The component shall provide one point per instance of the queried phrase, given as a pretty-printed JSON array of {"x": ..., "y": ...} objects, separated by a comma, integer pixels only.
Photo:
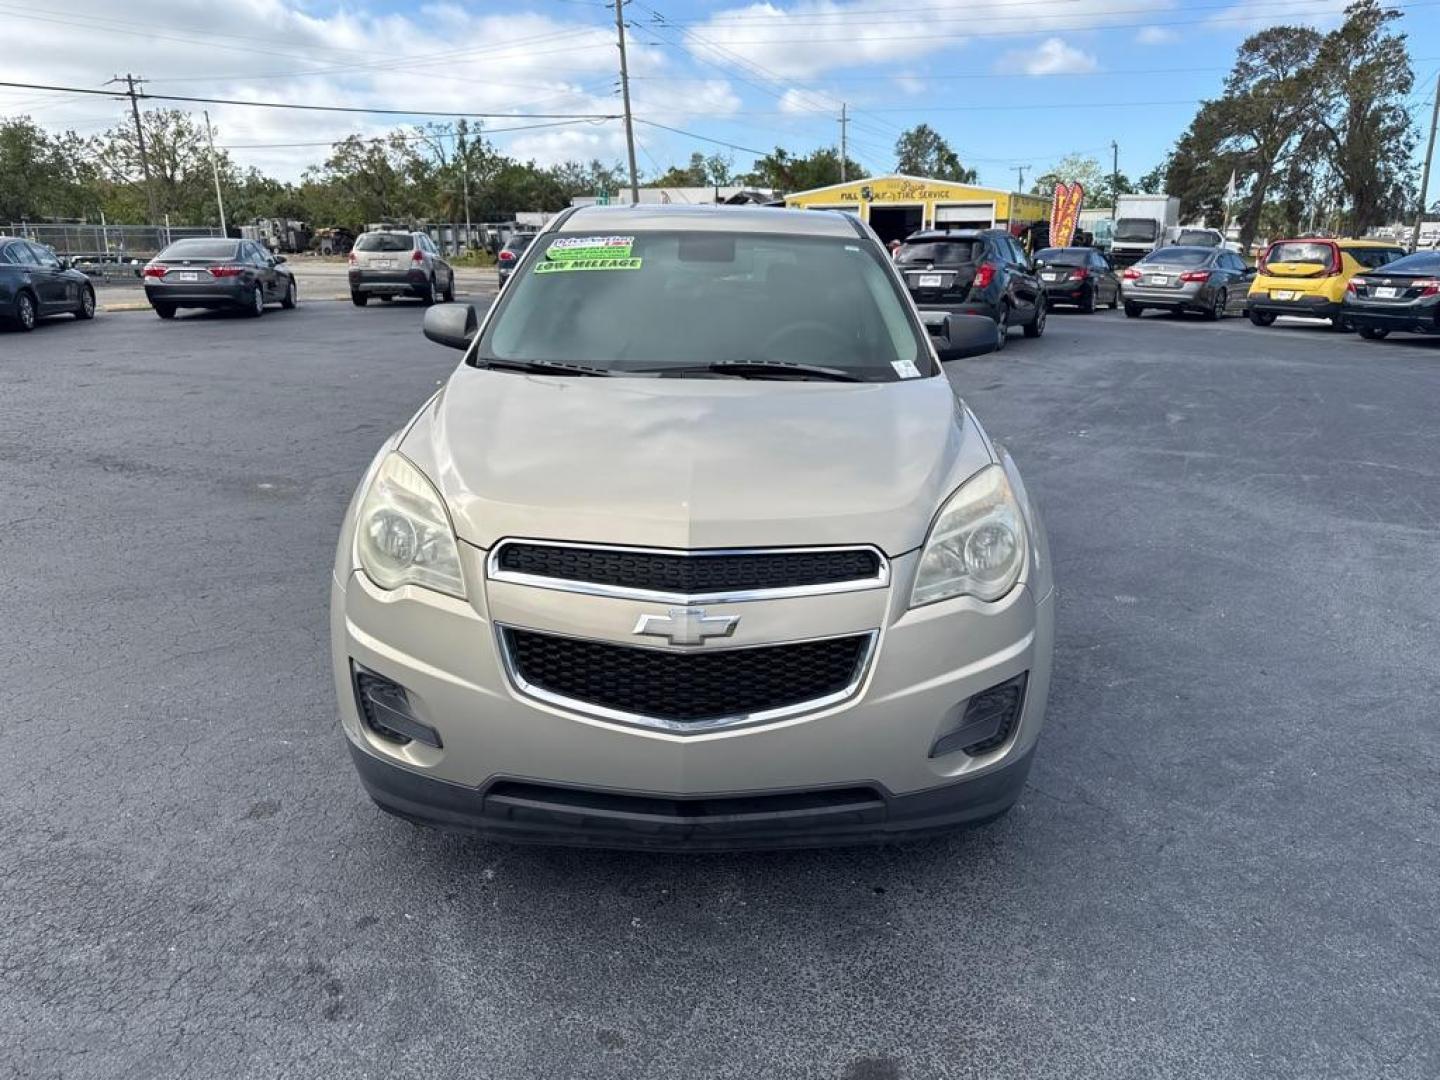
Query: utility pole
[
  {"x": 215, "y": 170},
  {"x": 129, "y": 81},
  {"x": 844, "y": 122},
  {"x": 1425, "y": 175},
  {"x": 1114, "y": 180},
  {"x": 625, "y": 93},
  {"x": 1020, "y": 179}
]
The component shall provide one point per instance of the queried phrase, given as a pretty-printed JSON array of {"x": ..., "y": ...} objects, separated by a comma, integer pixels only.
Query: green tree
[
  {"x": 1363, "y": 74},
  {"x": 785, "y": 173},
  {"x": 921, "y": 151},
  {"x": 44, "y": 175},
  {"x": 1098, "y": 184},
  {"x": 179, "y": 157}
]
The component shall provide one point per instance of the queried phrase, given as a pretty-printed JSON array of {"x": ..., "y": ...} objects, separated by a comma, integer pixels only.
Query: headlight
[
  {"x": 403, "y": 534},
  {"x": 976, "y": 546}
]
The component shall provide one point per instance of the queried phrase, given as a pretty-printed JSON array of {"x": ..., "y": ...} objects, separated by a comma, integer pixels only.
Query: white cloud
[
  {"x": 443, "y": 57},
  {"x": 1156, "y": 35},
  {"x": 910, "y": 84},
  {"x": 1051, "y": 57}
]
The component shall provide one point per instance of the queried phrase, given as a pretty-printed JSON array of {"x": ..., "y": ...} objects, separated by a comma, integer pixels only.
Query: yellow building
[{"x": 896, "y": 205}]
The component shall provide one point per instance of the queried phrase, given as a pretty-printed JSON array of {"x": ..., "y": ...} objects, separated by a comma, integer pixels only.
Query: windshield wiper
[
  {"x": 758, "y": 369},
  {"x": 541, "y": 367}
]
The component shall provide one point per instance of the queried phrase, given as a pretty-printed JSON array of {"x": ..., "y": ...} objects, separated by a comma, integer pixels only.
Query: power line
[
  {"x": 319, "y": 108},
  {"x": 702, "y": 138},
  {"x": 392, "y": 136}
]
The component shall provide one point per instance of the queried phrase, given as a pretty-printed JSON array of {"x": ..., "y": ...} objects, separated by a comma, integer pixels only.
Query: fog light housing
[
  {"x": 990, "y": 718},
  {"x": 385, "y": 709}
]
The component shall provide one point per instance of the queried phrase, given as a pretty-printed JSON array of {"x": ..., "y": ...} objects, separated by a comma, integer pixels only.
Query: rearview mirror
[
  {"x": 453, "y": 325},
  {"x": 959, "y": 336}
]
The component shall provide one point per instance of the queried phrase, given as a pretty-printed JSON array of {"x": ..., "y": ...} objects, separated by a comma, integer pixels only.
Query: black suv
[{"x": 973, "y": 272}]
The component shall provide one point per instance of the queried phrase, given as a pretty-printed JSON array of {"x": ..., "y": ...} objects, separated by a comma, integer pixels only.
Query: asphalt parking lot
[{"x": 1226, "y": 865}]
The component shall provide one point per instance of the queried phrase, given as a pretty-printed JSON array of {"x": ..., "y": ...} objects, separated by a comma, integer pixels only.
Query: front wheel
[
  {"x": 291, "y": 297},
  {"x": 86, "y": 310},
  {"x": 1372, "y": 333},
  {"x": 1132, "y": 311},
  {"x": 1036, "y": 326},
  {"x": 1262, "y": 318}
]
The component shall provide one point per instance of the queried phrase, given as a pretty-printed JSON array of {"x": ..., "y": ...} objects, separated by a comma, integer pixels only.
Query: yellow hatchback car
[{"x": 1308, "y": 277}]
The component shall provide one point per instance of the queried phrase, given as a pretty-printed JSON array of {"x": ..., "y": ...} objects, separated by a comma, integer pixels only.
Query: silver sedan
[{"x": 1207, "y": 280}]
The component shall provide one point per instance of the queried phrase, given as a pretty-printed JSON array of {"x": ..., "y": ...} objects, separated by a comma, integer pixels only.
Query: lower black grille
[
  {"x": 697, "y": 574},
  {"x": 686, "y": 687}
]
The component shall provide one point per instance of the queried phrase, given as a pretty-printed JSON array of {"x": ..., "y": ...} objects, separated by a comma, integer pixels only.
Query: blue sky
[{"x": 1008, "y": 82}]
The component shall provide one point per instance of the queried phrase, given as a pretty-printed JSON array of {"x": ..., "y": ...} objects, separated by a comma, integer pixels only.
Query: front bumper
[
  {"x": 927, "y": 664},
  {"x": 1313, "y": 306}
]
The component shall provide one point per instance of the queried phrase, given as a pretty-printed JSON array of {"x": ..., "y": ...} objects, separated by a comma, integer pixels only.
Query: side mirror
[
  {"x": 452, "y": 325},
  {"x": 960, "y": 336}
]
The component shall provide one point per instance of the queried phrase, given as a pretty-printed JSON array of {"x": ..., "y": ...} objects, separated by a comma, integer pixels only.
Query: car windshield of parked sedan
[
  {"x": 1179, "y": 256},
  {"x": 701, "y": 302},
  {"x": 200, "y": 249},
  {"x": 940, "y": 253},
  {"x": 1063, "y": 257},
  {"x": 1422, "y": 262},
  {"x": 384, "y": 242},
  {"x": 1136, "y": 230}
]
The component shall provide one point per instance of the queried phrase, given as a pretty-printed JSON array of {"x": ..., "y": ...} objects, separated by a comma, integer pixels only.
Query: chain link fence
[{"x": 104, "y": 243}]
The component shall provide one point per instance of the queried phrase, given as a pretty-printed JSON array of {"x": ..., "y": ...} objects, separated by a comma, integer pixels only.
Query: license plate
[
  {"x": 186, "y": 275},
  {"x": 1049, "y": 277},
  {"x": 931, "y": 281},
  {"x": 1284, "y": 294},
  {"x": 1386, "y": 292},
  {"x": 1159, "y": 279},
  {"x": 385, "y": 264}
]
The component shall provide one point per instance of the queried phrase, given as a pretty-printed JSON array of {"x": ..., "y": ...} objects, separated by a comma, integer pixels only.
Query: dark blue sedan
[{"x": 34, "y": 283}]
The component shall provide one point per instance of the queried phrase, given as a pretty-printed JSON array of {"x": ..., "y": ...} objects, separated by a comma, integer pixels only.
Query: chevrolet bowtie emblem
[{"x": 687, "y": 625}]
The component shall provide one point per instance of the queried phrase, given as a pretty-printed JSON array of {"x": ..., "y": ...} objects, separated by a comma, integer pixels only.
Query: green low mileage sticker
[{"x": 587, "y": 264}]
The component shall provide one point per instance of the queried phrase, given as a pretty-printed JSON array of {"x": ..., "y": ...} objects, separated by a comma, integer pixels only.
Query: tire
[
  {"x": 449, "y": 295},
  {"x": 1115, "y": 299},
  {"x": 1087, "y": 302},
  {"x": 1036, "y": 326},
  {"x": 292, "y": 296},
  {"x": 428, "y": 296},
  {"x": 255, "y": 306},
  {"x": 86, "y": 310},
  {"x": 1132, "y": 311},
  {"x": 165, "y": 311},
  {"x": 26, "y": 313},
  {"x": 1261, "y": 318},
  {"x": 1216, "y": 311},
  {"x": 1371, "y": 333},
  {"x": 1002, "y": 329},
  {"x": 1339, "y": 325},
  {"x": 359, "y": 299}
]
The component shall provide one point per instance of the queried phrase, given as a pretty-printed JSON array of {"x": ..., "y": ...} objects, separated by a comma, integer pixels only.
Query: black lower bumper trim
[{"x": 526, "y": 812}]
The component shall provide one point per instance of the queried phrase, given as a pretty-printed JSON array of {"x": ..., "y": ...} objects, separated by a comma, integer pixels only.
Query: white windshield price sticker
[
  {"x": 590, "y": 247},
  {"x": 906, "y": 369}
]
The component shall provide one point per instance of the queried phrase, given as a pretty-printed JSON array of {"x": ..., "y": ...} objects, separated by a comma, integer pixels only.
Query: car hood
[{"x": 694, "y": 463}]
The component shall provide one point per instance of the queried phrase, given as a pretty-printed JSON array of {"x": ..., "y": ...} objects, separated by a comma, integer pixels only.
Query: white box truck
[{"x": 1141, "y": 225}]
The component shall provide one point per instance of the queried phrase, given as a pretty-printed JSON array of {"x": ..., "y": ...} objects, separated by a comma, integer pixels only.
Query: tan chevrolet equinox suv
[{"x": 697, "y": 548}]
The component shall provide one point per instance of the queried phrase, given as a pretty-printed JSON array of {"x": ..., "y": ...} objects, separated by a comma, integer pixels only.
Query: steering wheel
[{"x": 806, "y": 328}]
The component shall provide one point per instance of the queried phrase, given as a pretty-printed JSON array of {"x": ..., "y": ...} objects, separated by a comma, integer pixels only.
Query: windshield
[
  {"x": 200, "y": 249},
  {"x": 1301, "y": 251},
  {"x": 1198, "y": 238},
  {"x": 379, "y": 241},
  {"x": 1063, "y": 257},
  {"x": 658, "y": 300},
  {"x": 1179, "y": 256},
  {"x": 1135, "y": 229},
  {"x": 940, "y": 253},
  {"x": 1422, "y": 262}
]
